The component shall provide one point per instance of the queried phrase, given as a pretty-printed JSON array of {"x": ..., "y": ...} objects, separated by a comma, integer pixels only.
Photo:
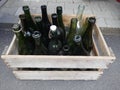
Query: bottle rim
[
  {"x": 36, "y": 34},
  {"x": 77, "y": 38}
]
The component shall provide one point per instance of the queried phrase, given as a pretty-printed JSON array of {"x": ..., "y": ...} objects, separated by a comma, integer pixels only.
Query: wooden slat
[
  {"x": 19, "y": 61},
  {"x": 101, "y": 41},
  {"x": 12, "y": 46},
  {"x": 58, "y": 75}
]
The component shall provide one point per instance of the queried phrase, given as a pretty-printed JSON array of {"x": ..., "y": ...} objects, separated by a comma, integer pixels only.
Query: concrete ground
[{"x": 108, "y": 16}]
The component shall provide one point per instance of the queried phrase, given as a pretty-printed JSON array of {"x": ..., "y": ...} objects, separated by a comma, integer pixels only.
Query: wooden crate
[{"x": 45, "y": 67}]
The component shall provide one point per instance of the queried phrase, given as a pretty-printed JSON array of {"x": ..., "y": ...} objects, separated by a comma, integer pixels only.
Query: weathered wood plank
[{"x": 57, "y": 75}]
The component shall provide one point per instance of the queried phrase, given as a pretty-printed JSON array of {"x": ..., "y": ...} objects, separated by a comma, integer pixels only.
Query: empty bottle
[
  {"x": 45, "y": 25},
  {"x": 72, "y": 31},
  {"x": 55, "y": 44},
  {"x": 29, "y": 20},
  {"x": 87, "y": 37},
  {"x": 22, "y": 50},
  {"x": 40, "y": 49},
  {"x": 59, "y": 11},
  {"x": 60, "y": 31},
  {"x": 78, "y": 47}
]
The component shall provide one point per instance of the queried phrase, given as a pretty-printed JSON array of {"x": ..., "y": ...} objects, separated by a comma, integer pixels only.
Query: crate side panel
[{"x": 58, "y": 75}]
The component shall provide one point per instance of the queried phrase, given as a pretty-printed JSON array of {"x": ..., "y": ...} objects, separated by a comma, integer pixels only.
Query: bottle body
[
  {"x": 59, "y": 11},
  {"x": 40, "y": 49},
  {"x": 45, "y": 25},
  {"x": 87, "y": 37},
  {"x": 78, "y": 47},
  {"x": 72, "y": 31},
  {"x": 22, "y": 47},
  {"x": 29, "y": 20},
  {"x": 55, "y": 44}
]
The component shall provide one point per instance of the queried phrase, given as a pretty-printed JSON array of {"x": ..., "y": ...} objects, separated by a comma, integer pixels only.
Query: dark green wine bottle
[
  {"x": 59, "y": 11},
  {"x": 40, "y": 49},
  {"x": 60, "y": 31},
  {"x": 29, "y": 19},
  {"x": 78, "y": 46},
  {"x": 38, "y": 22},
  {"x": 87, "y": 37},
  {"x": 22, "y": 50},
  {"x": 72, "y": 31},
  {"x": 55, "y": 44},
  {"x": 28, "y": 35}
]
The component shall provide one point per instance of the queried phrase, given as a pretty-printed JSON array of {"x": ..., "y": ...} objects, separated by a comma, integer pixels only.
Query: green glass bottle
[
  {"x": 78, "y": 47},
  {"x": 45, "y": 25},
  {"x": 22, "y": 50},
  {"x": 60, "y": 31},
  {"x": 38, "y": 22},
  {"x": 28, "y": 35},
  {"x": 87, "y": 37},
  {"x": 59, "y": 11},
  {"x": 72, "y": 31},
  {"x": 55, "y": 44},
  {"x": 29, "y": 19},
  {"x": 40, "y": 49}
]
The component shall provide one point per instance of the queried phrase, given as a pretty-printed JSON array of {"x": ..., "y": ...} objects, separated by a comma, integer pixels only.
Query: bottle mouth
[
  {"x": 36, "y": 34},
  {"x": 16, "y": 28},
  {"x": 59, "y": 9},
  {"x": 54, "y": 15},
  {"x": 38, "y": 18},
  {"x": 92, "y": 20},
  {"x": 25, "y": 8},
  {"x": 43, "y": 6},
  {"x": 66, "y": 47},
  {"x": 77, "y": 38}
]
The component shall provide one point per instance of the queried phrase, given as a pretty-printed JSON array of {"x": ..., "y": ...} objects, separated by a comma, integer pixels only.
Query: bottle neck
[
  {"x": 44, "y": 15},
  {"x": 55, "y": 20}
]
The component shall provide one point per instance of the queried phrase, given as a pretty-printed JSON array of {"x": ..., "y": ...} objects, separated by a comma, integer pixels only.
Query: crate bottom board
[{"x": 57, "y": 75}]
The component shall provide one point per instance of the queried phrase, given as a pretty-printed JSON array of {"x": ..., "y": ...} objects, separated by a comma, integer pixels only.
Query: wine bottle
[
  {"x": 55, "y": 44},
  {"x": 78, "y": 46},
  {"x": 72, "y": 31},
  {"x": 28, "y": 35},
  {"x": 45, "y": 25},
  {"x": 38, "y": 22},
  {"x": 59, "y": 11},
  {"x": 22, "y": 50},
  {"x": 60, "y": 31},
  {"x": 40, "y": 49},
  {"x": 29, "y": 20},
  {"x": 87, "y": 37}
]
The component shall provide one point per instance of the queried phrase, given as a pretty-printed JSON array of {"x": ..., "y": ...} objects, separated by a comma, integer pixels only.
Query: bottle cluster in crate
[{"x": 38, "y": 36}]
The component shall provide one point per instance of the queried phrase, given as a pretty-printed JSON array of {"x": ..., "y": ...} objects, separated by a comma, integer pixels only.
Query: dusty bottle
[
  {"x": 87, "y": 37},
  {"x": 22, "y": 50},
  {"x": 60, "y": 31},
  {"x": 78, "y": 46},
  {"x": 59, "y": 11},
  {"x": 72, "y": 31},
  {"x": 40, "y": 49},
  {"x": 55, "y": 44},
  {"x": 29, "y": 21},
  {"x": 45, "y": 25}
]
